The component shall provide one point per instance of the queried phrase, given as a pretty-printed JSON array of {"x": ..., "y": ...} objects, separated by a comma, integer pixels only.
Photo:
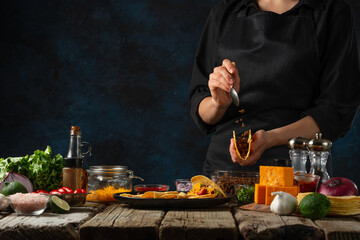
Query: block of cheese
[
  {"x": 294, "y": 190},
  {"x": 260, "y": 191},
  {"x": 276, "y": 176}
]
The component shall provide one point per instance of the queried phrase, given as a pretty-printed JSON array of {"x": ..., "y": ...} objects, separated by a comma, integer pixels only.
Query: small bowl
[
  {"x": 306, "y": 181},
  {"x": 29, "y": 203},
  {"x": 183, "y": 185},
  {"x": 73, "y": 199},
  {"x": 151, "y": 187},
  {"x": 244, "y": 193}
]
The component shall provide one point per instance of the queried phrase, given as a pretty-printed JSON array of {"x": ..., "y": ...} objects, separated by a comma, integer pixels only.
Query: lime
[
  {"x": 315, "y": 206},
  {"x": 13, "y": 187},
  {"x": 58, "y": 205}
]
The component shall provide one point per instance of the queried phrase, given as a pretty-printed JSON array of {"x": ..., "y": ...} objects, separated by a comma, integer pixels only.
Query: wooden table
[{"x": 118, "y": 221}]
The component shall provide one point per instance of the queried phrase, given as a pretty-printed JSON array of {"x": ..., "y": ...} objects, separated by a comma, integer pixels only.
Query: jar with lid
[{"x": 104, "y": 181}]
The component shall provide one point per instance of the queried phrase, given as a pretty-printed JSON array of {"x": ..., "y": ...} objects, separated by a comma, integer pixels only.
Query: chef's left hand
[{"x": 260, "y": 142}]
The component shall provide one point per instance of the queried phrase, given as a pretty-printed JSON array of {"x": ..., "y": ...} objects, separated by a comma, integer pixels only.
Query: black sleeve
[
  {"x": 203, "y": 66},
  {"x": 335, "y": 108}
]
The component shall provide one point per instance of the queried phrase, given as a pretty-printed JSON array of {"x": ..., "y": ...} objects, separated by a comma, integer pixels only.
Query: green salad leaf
[
  {"x": 245, "y": 195},
  {"x": 43, "y": 170}
]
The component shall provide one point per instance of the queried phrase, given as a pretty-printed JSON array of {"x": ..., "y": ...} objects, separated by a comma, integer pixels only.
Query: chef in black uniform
[{"x": 296, "y": 73}]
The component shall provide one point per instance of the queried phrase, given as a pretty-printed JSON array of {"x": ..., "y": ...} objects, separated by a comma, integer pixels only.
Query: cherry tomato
[
  {"x": 80, "y": 190},
  {"x": 62, "y": 191},
  {"x": 41, "y": 191},
  {"x": 68, "y": 190},
  {"x": 77, "y": 191},
  {"x": 56, "y": 192}
]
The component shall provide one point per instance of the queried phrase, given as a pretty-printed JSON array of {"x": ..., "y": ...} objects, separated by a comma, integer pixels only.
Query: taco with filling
[
  {"x": 243, "y": 144},
  {"x": 203, "y": 187}
]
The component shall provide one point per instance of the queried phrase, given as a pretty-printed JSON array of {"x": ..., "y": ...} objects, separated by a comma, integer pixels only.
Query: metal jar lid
[
  {"x": 109, "y": 169},
  {"x": 298, "y": 143},
  {"x": 319, "y": 144}
]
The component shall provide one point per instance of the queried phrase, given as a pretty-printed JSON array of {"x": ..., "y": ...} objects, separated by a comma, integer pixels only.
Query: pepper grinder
[
  {"x": 319, "y": 152},
  {"x": 298, "y": 153}
]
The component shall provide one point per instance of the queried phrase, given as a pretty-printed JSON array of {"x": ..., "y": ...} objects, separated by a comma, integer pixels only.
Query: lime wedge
[{"x": 58, "y": 205}]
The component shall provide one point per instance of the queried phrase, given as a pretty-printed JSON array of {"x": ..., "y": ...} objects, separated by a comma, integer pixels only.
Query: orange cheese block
[
  {"x": 276, "y": 176},
  {"x": 260, "y": 191},
  {"x": 294, "y": 190}
]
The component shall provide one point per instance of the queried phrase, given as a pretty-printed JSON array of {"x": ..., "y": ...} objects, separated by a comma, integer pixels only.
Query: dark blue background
[{"x": 121, "y": 71}]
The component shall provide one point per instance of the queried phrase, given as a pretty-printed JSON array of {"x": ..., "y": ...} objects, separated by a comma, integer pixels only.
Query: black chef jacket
[{"x": 302, "y": 62}]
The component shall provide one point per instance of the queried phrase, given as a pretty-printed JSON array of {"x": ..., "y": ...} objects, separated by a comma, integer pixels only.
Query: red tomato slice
[
  {"x": 201, "y": 191},
  {"x": 68, "y": 190},
  {"x": 56, "y": 192}
]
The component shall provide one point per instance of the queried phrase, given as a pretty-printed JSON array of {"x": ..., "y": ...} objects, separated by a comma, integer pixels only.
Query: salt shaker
[
  {"x": 318, "y": 153},
  {"x": 298, "y": 153}
]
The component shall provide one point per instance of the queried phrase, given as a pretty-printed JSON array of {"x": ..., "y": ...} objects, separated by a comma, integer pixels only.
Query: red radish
[
  {"x": 62, "y": 191},
  {"x": 338, "y": 186}
]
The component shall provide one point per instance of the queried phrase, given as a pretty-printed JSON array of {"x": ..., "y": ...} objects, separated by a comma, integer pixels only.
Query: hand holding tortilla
[{"x": 243, "y": 144}]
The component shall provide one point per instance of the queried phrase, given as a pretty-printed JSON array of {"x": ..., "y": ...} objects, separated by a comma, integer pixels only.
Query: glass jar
[{"x": 104, "y": 181}]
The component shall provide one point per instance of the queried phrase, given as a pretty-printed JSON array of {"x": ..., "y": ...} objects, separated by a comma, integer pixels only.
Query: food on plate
[
  {"x": 339, "y": 186},
  {"x": 314, "y": 206},
  {"x": 59, "y": 205},
  {"x": 202, "y": 187},
  {"x": 274, "y": 179},
  {"x": 43, "y": 170},
  {"x": 243, "y": 144},
  {"x": 283, "y": 203},
  {"x": 104, "y": 195},
  {"x": 12, "y": 188},
  {"x": 340, "y": 206},
  {"x": 29, "y": 203}
]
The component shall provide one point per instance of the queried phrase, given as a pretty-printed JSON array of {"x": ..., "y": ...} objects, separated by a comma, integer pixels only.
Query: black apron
[{"x": 282, "y": 49}]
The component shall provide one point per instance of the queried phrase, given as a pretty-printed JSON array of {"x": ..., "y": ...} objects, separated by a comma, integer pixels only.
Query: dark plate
[{"x": 171, "y": 203}]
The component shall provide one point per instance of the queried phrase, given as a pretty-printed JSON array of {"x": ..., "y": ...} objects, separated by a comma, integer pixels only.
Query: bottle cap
[
  {"x": 298, "y": 143},
  {"x": 73, "y": 162},
  {"x": 319, "y": 144},
  {"x": 75, "y": 130}
]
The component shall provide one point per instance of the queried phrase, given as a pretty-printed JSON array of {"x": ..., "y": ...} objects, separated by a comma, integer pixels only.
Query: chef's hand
[
  {"x": 221, "y": 81},
  {"x": 260, "y": 142}
]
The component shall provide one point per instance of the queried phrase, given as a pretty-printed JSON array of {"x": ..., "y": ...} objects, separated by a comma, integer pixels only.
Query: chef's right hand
[{"x": 221, "y": 81}]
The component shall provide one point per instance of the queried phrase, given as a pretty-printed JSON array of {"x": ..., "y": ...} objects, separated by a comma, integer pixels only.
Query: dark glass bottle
[{"x": 74, "y": 176}]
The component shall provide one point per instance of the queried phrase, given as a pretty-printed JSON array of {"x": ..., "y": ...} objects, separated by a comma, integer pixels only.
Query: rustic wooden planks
[
  {"x": 120, "y": 222},
  {"x": 261, "y": 225},
  {"x": 46, "y": 226},
  {"x": 340, "y": 228},
  {"x": 199, "y": 224}
]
